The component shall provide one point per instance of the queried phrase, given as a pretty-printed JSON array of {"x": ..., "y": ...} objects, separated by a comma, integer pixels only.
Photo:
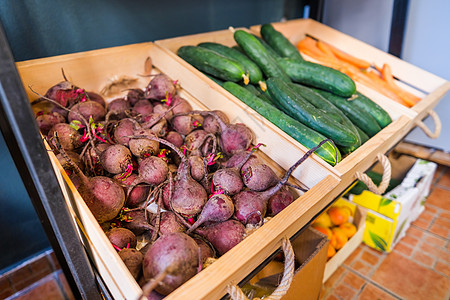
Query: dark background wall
[{"x": 43, "y": 28}]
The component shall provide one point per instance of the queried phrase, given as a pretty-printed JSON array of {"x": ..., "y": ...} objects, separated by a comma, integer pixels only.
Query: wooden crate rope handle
[
  {"x": 237, "y": 294},
  {"x": 437, "y": 125},
  {"x": 379, "y": 190}
]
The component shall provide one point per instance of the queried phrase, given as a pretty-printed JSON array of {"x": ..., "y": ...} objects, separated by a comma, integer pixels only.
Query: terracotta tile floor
[{"x": 417, "y": 268}]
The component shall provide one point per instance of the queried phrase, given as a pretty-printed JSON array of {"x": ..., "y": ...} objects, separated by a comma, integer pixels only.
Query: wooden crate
[
  {"x": 358, "y": 161},
  {"x": 417, "y": 81},
  {"x": 359, "y": 219},
  {"x": 93, "y": 70}
]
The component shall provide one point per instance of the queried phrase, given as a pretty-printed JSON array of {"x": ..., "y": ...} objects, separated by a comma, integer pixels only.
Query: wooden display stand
[{"x": 93, "y": 70}]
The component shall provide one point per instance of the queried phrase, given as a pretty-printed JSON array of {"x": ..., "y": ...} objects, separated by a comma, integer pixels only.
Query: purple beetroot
[
  {"x": 175, "y": 256},
  {"x": 224, "y": 235},
  {"x": 218, "y": 208}
]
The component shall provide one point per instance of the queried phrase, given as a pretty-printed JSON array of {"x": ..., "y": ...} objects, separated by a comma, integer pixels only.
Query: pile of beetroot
[{"x": 170, "y": 186}]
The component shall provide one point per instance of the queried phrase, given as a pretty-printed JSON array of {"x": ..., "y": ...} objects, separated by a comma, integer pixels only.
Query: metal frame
[
  {"x": 398, "y": 27},
  {"x": 31, "y": 159}
]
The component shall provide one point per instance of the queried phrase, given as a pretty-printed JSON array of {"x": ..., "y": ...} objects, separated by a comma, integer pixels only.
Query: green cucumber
[
  {"x": 279, "y": 42},
  {"x": 370, "y": 107},
  {"x": 301, "y": 133},
  {"x": 256, "y": 52},
  {"x": 318, "y": 76},
  {"x": 265, "y": 94},
  {"x": 254, "y": 72},
  {"x": 257, "y": 93},
  {"x": 300, "y": 109},
  {"x": 362, "y": 136},
  {"x": 360, "y": 118},
  {"x": 321, "y": 103},
  {"x": 269, "y": 49},
  {"x": 213, "y": 63}
]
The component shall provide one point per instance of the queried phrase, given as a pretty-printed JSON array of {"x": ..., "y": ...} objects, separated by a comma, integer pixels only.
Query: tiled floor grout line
[{"x": 369, "y": 280}]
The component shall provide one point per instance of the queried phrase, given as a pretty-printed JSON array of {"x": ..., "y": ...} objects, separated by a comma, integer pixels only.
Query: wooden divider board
[{"x": 93, "y": 70}]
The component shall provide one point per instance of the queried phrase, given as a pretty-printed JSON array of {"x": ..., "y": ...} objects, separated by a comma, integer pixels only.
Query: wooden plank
[{"x": 423, "y": 152}]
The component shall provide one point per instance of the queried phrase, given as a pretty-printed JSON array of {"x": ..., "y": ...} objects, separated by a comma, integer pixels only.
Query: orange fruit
[
  {"x": 323, "y": 220},
  {"x": 348, "y": 228},
  {"x": 331, "y": 251},
  {"x": 324, "y": 230},
  {"x": 338, "y": 215},
  {"x": 339, "y": 238}
]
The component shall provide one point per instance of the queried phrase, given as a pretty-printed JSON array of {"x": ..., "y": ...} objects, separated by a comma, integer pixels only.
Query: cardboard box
[
  {"x": 390, "y": 215},
  {"x": 359, "y": 217},
  {"x": 310, "y": 249}
]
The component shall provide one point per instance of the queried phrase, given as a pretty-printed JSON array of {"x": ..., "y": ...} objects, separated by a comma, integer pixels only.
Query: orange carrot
[
  {"x": 360, "y": 63},
  {"x": 309, "y": 45},
  {"x": 325, "y": 49},
  {"x": 389, "y": 79}
]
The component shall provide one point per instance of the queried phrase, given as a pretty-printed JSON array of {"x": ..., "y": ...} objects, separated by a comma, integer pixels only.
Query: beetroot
[
  {"x": 168, "y": 223},
  {"x": 181, "y": 105},
  {"x": 163, "y": 109},
  {"x": 136, "y": 221},
  {"x": 86, "y": 109},
  {"x": 143, "y": 147},
  {"x": 206, "y": 250},
  {"x": 91, "y": 159},
  {"x": 176, "y": 256},
  {"x": 233, "y": 137},
  {"x": 137, "y": 195},
  {"x": 124, "y": 129},
  {"x": 238, "y": 157},
  {"x": 46, "y": 121},
  {"x": 152, "y": 170},
  {"x": 69, "y": 138},
  {"x": 53, "y": 91},
  {"x": 133, "y": 261},
  {"x": 103, "y": 195},
  {"x": 210, "y": 123},
  {"x": 119, "y": 107},
  {"x": 185, "y": 124},
  {"x": 229, "y": 179},
  {"x": 157, "y": 123},
  {"x": 175, "y": 138},
  {"x": 197, "y": 167},
  {"x": 188, "y": 195},
  {"x": 159, "y": 87},
  {"x": 116, "y": 159},
  {"x": 122, "y": 238},
  {"x": 97, "y": 98},
  {"x": 251, "y": 206},
  {"x": 258, "y": 177},
  {"x": 75, "y": 157},
  {"x": 143, "y": 107},
  {"x": 279, "y": 201},
  {"x": 218, "y": 208},
  {"x": 134, "y": 95},
  {"x": 224, "y": 235}
]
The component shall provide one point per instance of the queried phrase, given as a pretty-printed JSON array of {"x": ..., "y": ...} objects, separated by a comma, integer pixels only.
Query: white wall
[{"x": 426, "y": 43}]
